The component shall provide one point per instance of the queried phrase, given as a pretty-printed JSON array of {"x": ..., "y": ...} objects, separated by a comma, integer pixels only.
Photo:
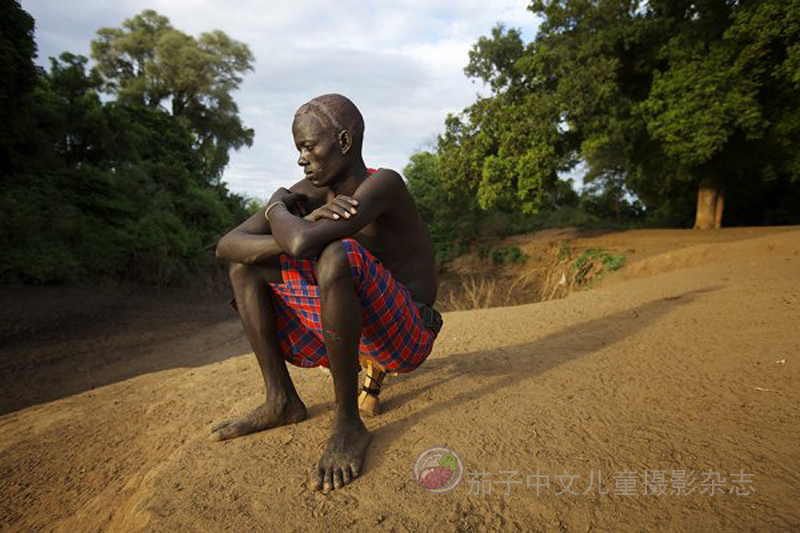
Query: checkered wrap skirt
[{"x": 393, "y": 333}]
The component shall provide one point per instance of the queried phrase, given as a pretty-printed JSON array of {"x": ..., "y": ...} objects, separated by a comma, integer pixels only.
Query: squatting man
[{"x": 336, "y": 271}]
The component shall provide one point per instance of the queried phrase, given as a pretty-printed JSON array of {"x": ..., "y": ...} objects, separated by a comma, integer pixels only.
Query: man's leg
[
  {"x": 341, "y": 322},
  {"x": 254, "y": 301}
]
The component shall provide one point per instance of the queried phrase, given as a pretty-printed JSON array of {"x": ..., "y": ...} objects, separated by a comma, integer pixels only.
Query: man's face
[{"x": 320, "y": 154}]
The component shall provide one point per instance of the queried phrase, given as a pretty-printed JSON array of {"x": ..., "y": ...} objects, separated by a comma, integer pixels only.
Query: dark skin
[{"x": 337, "y": 199}]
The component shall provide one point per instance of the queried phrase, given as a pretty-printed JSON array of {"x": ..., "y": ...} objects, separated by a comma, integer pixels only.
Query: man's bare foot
[
  {"x": 343, "y": 456},
  {"x": 267, "y": 415}
]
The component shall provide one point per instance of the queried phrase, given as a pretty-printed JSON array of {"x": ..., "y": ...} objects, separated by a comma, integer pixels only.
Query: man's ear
[{"x": 345, "y": 141}]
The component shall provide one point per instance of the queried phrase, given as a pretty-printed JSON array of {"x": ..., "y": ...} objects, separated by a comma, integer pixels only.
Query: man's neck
[{"x": 354, "y": 176}]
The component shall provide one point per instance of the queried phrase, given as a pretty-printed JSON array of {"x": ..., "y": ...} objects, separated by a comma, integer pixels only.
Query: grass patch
[
  {"x": 508, "y": 254},
  {"x": 502, "y": 255},
  {"x": 594, "y": 263},
  {"x": 564, "y": 251}
]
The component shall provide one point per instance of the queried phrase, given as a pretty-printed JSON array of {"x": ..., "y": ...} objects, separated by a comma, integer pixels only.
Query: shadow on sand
[
  {"x": 506, "y": 367},
  {"x": 61, "y": 342}
]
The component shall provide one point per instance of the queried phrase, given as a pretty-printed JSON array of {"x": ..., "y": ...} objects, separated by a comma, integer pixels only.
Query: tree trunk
[{"x": 710, "y": 201}]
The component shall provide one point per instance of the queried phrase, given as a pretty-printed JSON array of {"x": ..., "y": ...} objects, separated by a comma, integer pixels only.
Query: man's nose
[{"x": 301, "y": 160}]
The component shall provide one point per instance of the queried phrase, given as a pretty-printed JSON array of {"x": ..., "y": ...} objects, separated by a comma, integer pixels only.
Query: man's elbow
[
  {"x": 220, "y": 252},
  {"x": 301, "y": 247},
  {"x": 299, "y": 250},
  {"x": 223, "y": 248}
]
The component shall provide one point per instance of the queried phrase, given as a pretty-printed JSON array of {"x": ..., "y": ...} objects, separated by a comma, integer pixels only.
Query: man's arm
[
  {"x": 251, "y": 241},
  {"x": 305, "y": 240}
]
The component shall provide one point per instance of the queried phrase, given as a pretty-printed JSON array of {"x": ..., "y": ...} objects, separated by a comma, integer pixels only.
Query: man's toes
[
  {"x": 232, "y": 430},
  {"x": 328, "y": 485},
  {"x": 337, "y": 479},
  {"x": 220, "y": 425},
  {"x": 356, "y": 469},
  {"x": 347, "y": 475},
  {"x": 317, "y": 478}
]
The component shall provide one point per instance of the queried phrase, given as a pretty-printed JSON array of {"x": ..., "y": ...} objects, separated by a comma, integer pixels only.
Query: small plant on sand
[{"x": 594, "y": 263}]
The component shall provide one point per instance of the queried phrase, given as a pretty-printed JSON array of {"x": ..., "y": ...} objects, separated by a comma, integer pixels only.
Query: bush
[
  {"x": 508, "y": 254},
  {"x": 594, "y": 263}
]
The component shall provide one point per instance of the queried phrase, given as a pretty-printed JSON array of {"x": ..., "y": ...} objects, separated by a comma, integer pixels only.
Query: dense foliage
[
  {"x": 653, "y": 98},
  {"x": 92, "y": 188},
  {"x": 149, "y": 63}
]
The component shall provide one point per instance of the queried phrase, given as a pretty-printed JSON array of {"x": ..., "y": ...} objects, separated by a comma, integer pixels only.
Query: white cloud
[{"x": 400, "y": 61}]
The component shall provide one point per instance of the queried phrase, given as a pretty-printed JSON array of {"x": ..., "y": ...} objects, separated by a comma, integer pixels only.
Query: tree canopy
[
  {"x": 17, "y": 71},
  {"x": 656, "y": 98},
  {"x": 149, "y": 63},
  {"x": 92, "y": 188}
]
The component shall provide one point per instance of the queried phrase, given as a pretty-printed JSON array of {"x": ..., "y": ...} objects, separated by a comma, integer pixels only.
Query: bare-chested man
[{"x": 336, "y": 271}]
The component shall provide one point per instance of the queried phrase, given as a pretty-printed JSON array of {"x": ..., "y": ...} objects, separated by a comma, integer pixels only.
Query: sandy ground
[{"x": 687, "y": 359}]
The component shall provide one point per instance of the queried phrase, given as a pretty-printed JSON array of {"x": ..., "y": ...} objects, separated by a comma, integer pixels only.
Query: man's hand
[
  {"x": 296, "y": 203},
  {"x": 306, "y": 240},
  {"x": 340, "y": 207}
]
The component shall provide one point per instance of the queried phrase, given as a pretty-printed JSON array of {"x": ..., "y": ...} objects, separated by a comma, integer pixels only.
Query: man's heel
[{"x": 368, "y": 402}]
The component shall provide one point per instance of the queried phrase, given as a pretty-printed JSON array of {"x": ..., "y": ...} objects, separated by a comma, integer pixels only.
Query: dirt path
[{"x": 671, "y": 365}]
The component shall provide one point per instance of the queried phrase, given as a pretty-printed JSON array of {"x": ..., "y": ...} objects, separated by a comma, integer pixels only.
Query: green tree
[
  {"x": 17, "y": 76},
  {"x": 724, "y": 107},
  {"x": 149, "y": 63},
  {"x": 450, "y": 217},
  {"x": 507, "y": 150},
  {"x": 100, "y": 189},
  {"x": 673, "y": 97}
]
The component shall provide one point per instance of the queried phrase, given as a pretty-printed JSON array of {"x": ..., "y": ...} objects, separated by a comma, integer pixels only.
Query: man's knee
[
  {"x": 332, "y": 265},
  {"x": 241, "y": 274}
]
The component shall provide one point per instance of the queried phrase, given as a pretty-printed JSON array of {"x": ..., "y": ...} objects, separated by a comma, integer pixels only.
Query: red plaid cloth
[{"x": 393, "y": 334}]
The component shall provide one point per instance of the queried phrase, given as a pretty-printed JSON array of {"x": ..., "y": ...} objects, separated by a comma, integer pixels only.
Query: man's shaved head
[{"x": 336, "y": 113}]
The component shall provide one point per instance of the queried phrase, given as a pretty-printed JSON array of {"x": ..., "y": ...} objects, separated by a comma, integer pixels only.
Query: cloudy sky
[{"x": 400, "y": 61}]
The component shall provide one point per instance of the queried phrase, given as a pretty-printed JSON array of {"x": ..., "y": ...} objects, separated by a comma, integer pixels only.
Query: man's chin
[{"x": 315, "y": 181}]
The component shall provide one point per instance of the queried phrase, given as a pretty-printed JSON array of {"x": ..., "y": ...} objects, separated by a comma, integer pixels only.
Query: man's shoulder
[
  {"x": 306, "y": 187},
  {"x": 386, "y": 173},
  {"x": 385, "y": 180},
  {"x": 385, "y": 188},
  {"x": 302, "y": 185}
]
